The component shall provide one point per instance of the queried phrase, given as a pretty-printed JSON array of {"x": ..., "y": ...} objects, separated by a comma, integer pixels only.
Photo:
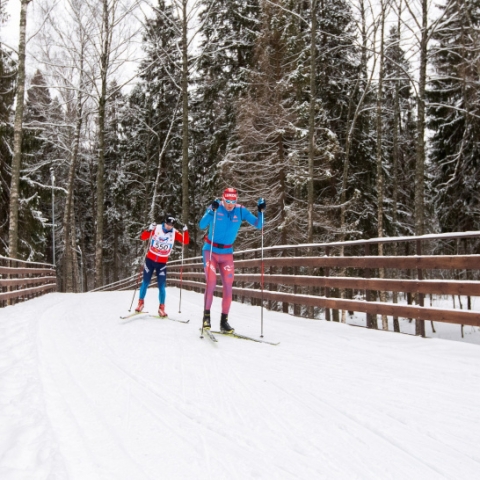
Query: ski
[
  {"x": 134, "y": 314},
  {"x": 169, "y": 318},
  {"x": 209, "y": 334},
  {"x": 245, "y": 337}
]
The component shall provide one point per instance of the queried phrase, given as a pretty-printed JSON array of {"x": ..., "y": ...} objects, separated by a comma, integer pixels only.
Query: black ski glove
[
  {"x": 214, "y": 205},
  {"x": 261, "y": 204}
]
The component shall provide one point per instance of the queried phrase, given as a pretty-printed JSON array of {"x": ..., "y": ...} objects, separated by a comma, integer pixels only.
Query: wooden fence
[
  {"x": 327, "y": 278},
  {"x": 349, "y": 276},
  {"x": 20, "y": 280}
]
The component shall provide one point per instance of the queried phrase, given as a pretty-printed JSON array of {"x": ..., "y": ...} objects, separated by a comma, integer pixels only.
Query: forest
[{"x": 353, "y": 119}]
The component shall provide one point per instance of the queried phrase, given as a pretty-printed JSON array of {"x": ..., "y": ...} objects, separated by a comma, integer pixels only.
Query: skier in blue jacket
[{"x": 223, "y": 219}]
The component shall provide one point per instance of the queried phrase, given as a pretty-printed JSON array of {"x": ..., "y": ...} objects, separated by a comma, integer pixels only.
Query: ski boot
[
  {"x": 161, "y": 311},
  {"x": 224, "y": 325},
  {"x": 206, "y": 320},
  {"x": 140, "y": 306}
]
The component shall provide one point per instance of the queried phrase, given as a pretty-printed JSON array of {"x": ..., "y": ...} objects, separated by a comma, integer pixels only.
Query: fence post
[
  {"x": 284, "y": 272},
  {"x": 420, "y": 323},
  {"x": 368, "y": 293},
  {"x": 468, "y": 273},
  {"x": 396, "y": 323},
  {"x": 296, "y": 307},
  {"x": 327, "y": 288},
  {"x": 408, "y": 274},
  {"x": 271, "y": 287}
]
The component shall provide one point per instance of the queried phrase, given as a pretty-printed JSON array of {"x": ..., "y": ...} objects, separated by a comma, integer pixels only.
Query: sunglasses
[{"x": 230, "y": 202}]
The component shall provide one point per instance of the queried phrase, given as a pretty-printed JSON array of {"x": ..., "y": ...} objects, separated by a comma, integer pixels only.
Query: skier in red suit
[{"x": 161, "y": 240}]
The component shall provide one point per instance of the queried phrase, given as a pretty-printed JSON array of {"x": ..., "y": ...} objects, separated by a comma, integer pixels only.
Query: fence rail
[
  {"x": 349, "y": 276},
  {"x": 21, "y": 280}
]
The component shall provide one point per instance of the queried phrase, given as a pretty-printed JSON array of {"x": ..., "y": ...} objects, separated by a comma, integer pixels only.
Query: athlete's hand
[
  {"x": 152, "y": 226},
  {"x": 261, "y": 204},
  {"x": 215, "y": 204},
  {"x": 185, "y": 228}
]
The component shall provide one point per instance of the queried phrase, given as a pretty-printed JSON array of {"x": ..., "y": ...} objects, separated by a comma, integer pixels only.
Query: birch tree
[
  {"x": 67, "y": 57},
  {"x": 422, "y": 27},
  {"x": 187, "y": 13},
  {"x": 400, "y": 133},
  {"x": 380, "y": 165},
  {"x": 111, "y": 37},
  {"x": 18, "y": 131}
]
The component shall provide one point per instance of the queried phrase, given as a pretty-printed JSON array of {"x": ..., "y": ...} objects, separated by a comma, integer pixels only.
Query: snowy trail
[{"x": 85, "y": 395}]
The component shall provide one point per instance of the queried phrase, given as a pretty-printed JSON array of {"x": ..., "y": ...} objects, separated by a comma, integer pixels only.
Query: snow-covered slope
[{"x": 87, "y": 396}]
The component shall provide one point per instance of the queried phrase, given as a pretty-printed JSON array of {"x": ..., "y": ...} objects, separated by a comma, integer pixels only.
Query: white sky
[
  {"x": 9, "y": 31},
  {"x": 9, "y": 34}
]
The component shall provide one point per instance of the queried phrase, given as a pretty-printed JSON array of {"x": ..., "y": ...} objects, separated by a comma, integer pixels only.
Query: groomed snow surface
[{"x": 85, "y": 395}]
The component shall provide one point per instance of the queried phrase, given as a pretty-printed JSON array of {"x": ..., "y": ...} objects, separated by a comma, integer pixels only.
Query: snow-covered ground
[{"x": 87, "y": 396}]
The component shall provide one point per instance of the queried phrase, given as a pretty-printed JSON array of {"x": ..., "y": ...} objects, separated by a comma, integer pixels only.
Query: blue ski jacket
[{"x": 227, "y": 225}]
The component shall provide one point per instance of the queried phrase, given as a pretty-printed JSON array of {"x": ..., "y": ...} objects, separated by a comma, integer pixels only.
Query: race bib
[{"x": 162, "y": 243}]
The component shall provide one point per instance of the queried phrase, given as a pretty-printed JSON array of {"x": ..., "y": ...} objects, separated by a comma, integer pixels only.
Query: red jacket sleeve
[
  {"x": 145, "y": 235},
  {"x": 185, "y": 238}
]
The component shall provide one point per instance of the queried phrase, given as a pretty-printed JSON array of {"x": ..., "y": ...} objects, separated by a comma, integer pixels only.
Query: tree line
[{"x": 353, "y": 120}]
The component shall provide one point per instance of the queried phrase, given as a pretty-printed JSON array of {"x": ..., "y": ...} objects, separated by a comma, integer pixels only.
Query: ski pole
[
  {"x": 181, "y": 277},
  {"x": 141, "y": 269},
  {"x": 261, "y": 281},
  {"x": 208, "y": 266}
]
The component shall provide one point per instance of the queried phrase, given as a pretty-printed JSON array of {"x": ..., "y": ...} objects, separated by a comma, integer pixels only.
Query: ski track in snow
[{"x": 85, "y": 395}]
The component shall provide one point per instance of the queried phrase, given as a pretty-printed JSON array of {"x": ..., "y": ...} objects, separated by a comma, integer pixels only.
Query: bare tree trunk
[
  {"x": 351, "y": 126},
  {"x": 348, "y": 141},
  {"x": 311, "y": 123},
  {"x": 185, "y": 169},
  {"x": 161, "y": 154},
  {"x": 380, "y": 180},
  {"x": 102, "y": 102},
  {"x": 17, "y": 136},
  {"x": 73, "y": 240},
  {"x": 282, "y": 199},
  {"x": 396, "y": 154},
  {"x": 420, "y": 164},
  {"x": 69, "y": 212}
]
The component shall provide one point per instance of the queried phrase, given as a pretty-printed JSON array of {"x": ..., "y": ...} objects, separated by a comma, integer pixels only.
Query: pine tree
[
  {"x": 229, "y": 30},
  {"x": 345, "y": 95},
  {"x": 271, "y": 158},
  {"x": 150, "y": 132},
  {"x": 38, "y": 153},
  {"x": 399, "y": 139},
  {"x": 118, "y": 219},
  {"x": 454, "y": 117},
  {"x": 7, "y": 89}
]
